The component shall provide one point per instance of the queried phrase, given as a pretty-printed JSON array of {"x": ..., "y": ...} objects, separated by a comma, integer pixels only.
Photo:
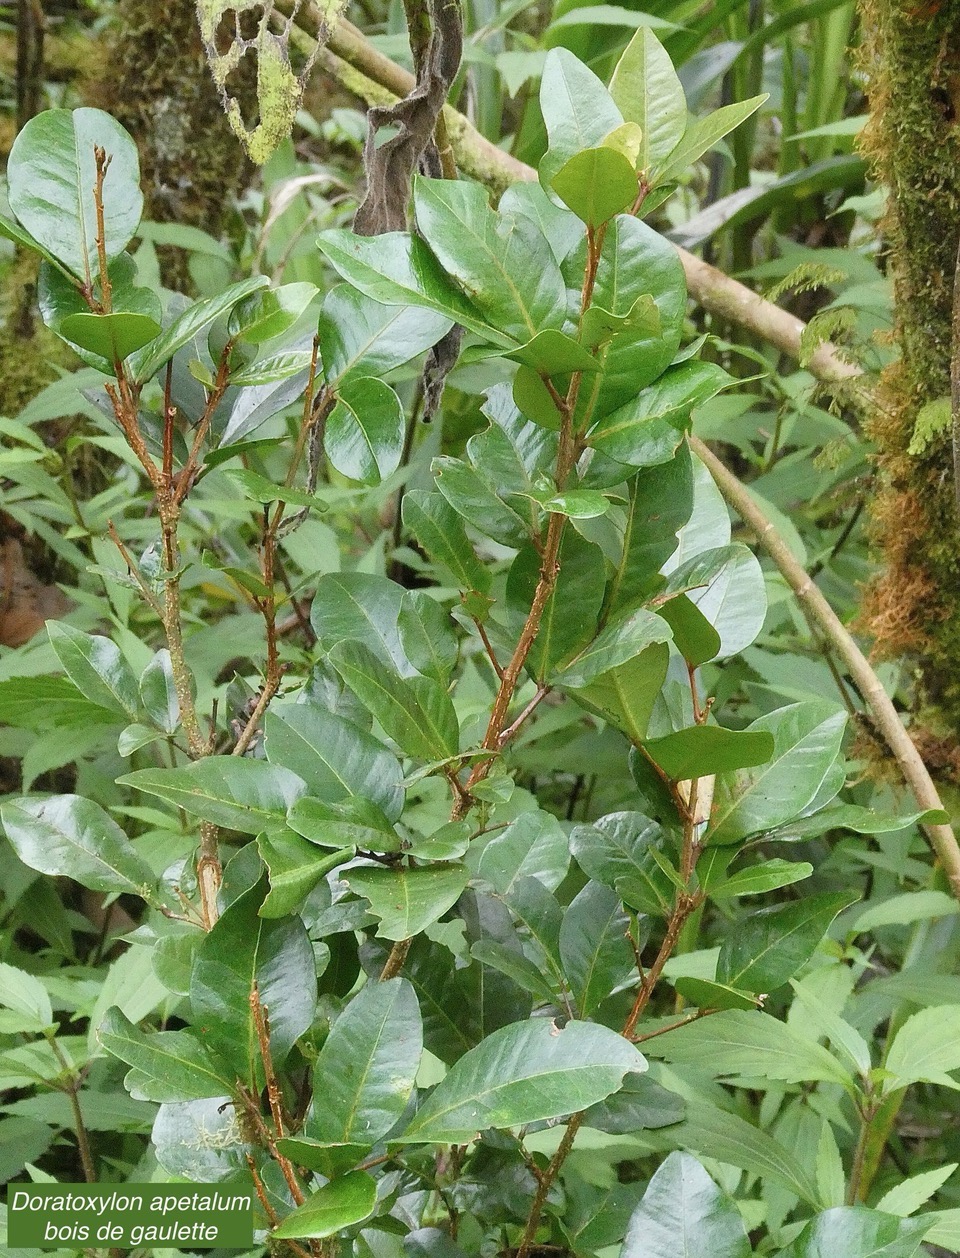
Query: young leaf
[
  {"x": 773, "y": 943},
  {"x": 578, "y": 111},
  {"x": 758, "y": 879},
  {"x": 67, "y": 836},
  {"x": 524, "y": 1073},
  {"x": 365, "y": 431},
  {"x": 701, "y": 135},
  {"x": 338, "y": 1204},
  {"x": 366, "y": 1069},
  {"x": 407, "y": 900},
  {"x": 926, "y": 1048},
  {"x": 596, "y": 184},
  {"x": 232, "y": 791},
  {"x": 269, "y": 312},
  {"x": 241, "y": 950},
  {"x": 51, "y": 176},
  {"x": 417, "y": 713},
  {"x": 909, "y": 1195},
  {"x": 648, "y": 92},
  {"x": 26, "y": 996},
  {"x": 167, "y": 1065},
  {"x": 684, "y": 1212}
]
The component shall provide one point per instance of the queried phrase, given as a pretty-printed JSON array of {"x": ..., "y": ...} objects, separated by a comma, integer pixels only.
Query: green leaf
[
  {"x": 294, "y": 867},
  {"x": 415, "y": 712},
  {"x": 709, "y": 995},
  {"x": 147, "y": 361},
  {"x": 338, "y": 1204},
  {"x": 641, "y": 1104},
  {"x": 353, "y": 822},
  {"x": 554, "y": 353},
  {"x": 648, "y": 92},
  {"x": 158, "y": 693},
  {"x": 766, "y": 876},
  {"x": 398, "y": 269},
  {"x": 524, "y": 1073},
  {"x": 578, "y": 504},
  {"x": 577, "y": 109},
  {"x": 807, "y": 738},
  {"x": 25, "y": 995},
  {"x": 903, "y": 910},
  {"x": 659, "y": 505},
  {"x": 361, "y": 607},
  {"x": 532, "y": 846},
  {"x": 439, "y": 530},
  {"x": 740, "y": 1044},
  {"x": 615, "y": 850},
  {"x": 363, "y": 337},
  {"x": 726, "y": 586},
  {"x": 51, "y": 175},
  {"x": 502, "y": 262},
  {"x": 909, "y": 1195},
  {"x": 10, "y": 230},
  {"x": 335, "y": 758},
  {"x": 167, "y": 1065},
  {"x": 427, "y": 636},
  {"x": 97, "y": 668},
  {"x": 269, "y": 312},
  {"x": 364, "y": 1075},
  {"x": 231, "y": 791},
  {"x": 773, "y": 943},
  {"x": 407, "y": 900},
  {"x": 701, "y": 135},
  {"x": 365, "y": 431},
  {"x": 272, "y": 368},
  {"x": 925, "y": 1049},
  {"x": 596, "y": 183},
  {"x": 595, "y": 952},
  {"x": 684, "y": 1212},
  {"x": 856, "y": 1232},
  {"x": 702, "y": 750},
  {"x": 241, "y": 950},
  {"x": 113, "y": 337},
  {"x": 696, "y": 639},
  {"x": 67, "y": 836},
  {"x": 480, "y": 505},
  {"x": 569, "y": 619},
  {"x": 647, "y": 430}
]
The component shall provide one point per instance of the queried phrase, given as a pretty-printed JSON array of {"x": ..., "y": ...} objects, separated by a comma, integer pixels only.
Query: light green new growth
[{"x": 279, "y": 88}]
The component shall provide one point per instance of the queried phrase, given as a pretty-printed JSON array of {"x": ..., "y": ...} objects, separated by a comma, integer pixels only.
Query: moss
[
  {"x": 165, "y": 96},
  {"x": 28, "y": 350},
  {"x": 912, "y": 65}
]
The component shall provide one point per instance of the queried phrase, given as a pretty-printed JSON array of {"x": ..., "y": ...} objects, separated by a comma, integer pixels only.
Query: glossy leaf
[
  {"x": 51, "y": 175},
  {"x": 186, "y": 326},
  {"x": 398, "y": 269},
  {"x": 427, "y": 636},
  {"x": 857, "y": 1232},
  {"x": 439, "y": 530},
  {"x": 294, "y": 867},
  {"x": 622, "y": 640},
  {"x": 503, "y": 263},
  {"x": 353, "y": 822},
  {"x": 364, "y": 1075},
  {"x": 640, "y": 1104},
  {"x": 706, "y": 994},
  {"x": 333, "y": 756},
  {"x": 269, "y": 312},
  {"x": 407, "y": 900},
  {"x": 773, "y": 943},
  {"x": 577, "y": 109},
  {"x": 758, "y": 879},
  {"x": 415, "y": 712},
  {"x": 596, "y": 183},
  {"x": 363, "y": 337},
  {"x": 365, "y": 431},
  {"x": 166, "y": 1065},
  {"x": 111, "y": 336},
  {"x": 684, "y": 1212},
  {"x": 532, "y": 846},
  {"x": 554, "y": 353},
  {"x": 67, "y": 836},
  {"x": 615, "y": 850},
  {"x": 524, "y": 1073},
  {"x": 338, "y": 1204},
  {"x": 478, "y": 503},
  {"x": 726, "y": 586},
  {"x": 241, "y": 950},
  {"x": 96, "y": 667},
  {"x": 648, "y": 92},
  {"x": 232, "y": 791},
  {"x": 595, "y": 950},
  {"x": 361, "y": 607},
  {"x": 807, "y": 738},
  {"x": 701, "y": 136},
  {"x": 660, "y": 503},
  {"x": 158, "y": 692},
  {"x": 702, "y": 750},
  {"x": 696, "y": 639}
]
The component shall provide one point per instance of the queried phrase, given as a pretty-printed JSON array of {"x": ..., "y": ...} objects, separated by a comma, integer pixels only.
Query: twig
[{"x": 70, "y": 1086}]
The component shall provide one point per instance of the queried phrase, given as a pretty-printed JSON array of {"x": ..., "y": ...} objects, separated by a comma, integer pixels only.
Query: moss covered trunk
[{"x": 912, "y": 59}]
